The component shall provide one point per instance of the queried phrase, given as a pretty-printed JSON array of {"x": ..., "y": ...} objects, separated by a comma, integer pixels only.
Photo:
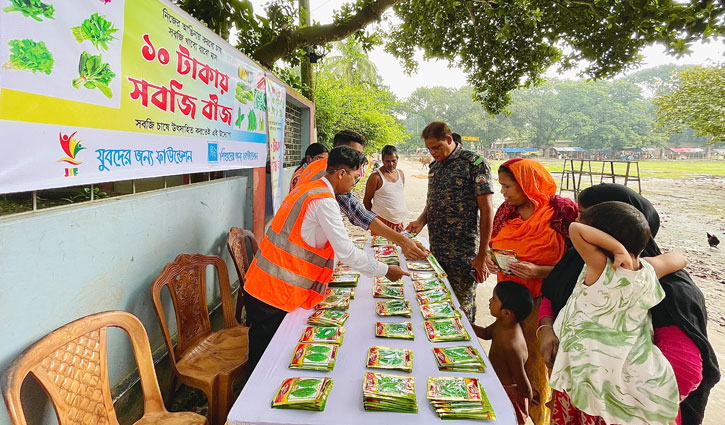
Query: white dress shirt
[{"x": 323, "y": 223}]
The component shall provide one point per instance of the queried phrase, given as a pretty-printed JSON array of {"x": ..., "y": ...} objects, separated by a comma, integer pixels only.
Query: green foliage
[
  {"x": 32, "y": 9},
  {"x": 94, "y": 74},
  {"x": 30, "y": 55},
  {"x": 97, "y": 29},
  {"x": 696, "y": 99}
]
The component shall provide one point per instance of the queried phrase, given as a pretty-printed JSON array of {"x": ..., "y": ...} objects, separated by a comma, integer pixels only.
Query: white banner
[{"x": 276, "y": 104}]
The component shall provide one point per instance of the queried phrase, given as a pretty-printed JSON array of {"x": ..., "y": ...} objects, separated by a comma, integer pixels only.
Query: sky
[{"x": 438, "y": 73}]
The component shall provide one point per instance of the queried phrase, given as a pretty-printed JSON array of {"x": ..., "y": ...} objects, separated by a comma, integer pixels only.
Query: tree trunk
[{"x": 306, "y": 74}]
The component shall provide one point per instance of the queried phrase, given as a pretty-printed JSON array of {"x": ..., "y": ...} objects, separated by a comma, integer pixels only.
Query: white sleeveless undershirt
[{"x": 389, "y": 200}]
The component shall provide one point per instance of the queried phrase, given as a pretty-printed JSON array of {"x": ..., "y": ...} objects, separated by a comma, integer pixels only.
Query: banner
[
  {"x": 276, "y": 105},
  {"x": 106, "y": 90}
]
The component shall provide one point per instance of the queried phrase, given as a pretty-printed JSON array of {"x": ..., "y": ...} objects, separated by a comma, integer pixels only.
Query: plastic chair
[
  {"x": 237, "y": 246},
  {"x": 70, "y": 364},
  {"x": 209, "y": 361}
]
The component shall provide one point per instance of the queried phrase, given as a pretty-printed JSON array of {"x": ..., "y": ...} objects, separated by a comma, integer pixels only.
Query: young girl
[{"x": 607, "y": 369}]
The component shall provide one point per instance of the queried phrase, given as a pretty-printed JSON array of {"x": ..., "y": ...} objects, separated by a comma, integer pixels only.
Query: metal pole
[
  {"x": 92, "y": 197},
  {"x": 35, "y": 200}
]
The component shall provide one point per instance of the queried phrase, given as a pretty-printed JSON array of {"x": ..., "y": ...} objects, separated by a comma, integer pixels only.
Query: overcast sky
[{"x": 437, "y": 73}]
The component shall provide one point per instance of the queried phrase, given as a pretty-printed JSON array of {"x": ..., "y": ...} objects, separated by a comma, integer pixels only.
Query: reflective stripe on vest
[
  {"x": 287, "y": 272},
  {"x": 314, "y": 171}
]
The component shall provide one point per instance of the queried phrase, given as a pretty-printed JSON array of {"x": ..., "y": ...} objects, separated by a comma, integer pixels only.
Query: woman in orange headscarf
[{"x": 534, "y": 222}]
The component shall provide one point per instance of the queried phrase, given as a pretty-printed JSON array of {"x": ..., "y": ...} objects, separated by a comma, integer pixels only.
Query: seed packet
[
  {"x": 459, "y": 398},
  {"x": 402, "y": 330},
  {"x": 324, "y": 334},
  {"x": 504, "y": 257},
  {"x": 385, "y": 251},
  {"x": 359, "y": 238},
  {"x": 333, "y": 318},
  {"x": 436, "y": 266},
  {"x": 440, "y": 310},
  {"x": 410, "y": 235},
  {"x": 380, "y": 241},
  {"x": 334, "y": 302},
  {"x": 343, "y": 269},
  {"x": 420, "y": 265},
  {"x": 348, "y": 280},
  {"x": 463, "y": 358},
  {"x": 395, "y": 261},
  {"x": 386, "y": 281},
  {"x": 433, "y": 296},
  {"x": 306, "y": 393},
  {"x": 388, "y": 291},
  {"x": 382, "y": 392},
  {"x": 445, "y": 330},
  {"x": 390, "y": 358},
  {"x": 342, "y": 292},
  {"x": 393, "y": 308},
  {"x": 423, "y": 275},
  {"x": 426, "y": 285},
  {"x": 314, "y": 357}
]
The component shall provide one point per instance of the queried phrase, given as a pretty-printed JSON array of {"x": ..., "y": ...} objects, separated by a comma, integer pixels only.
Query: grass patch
[{"x": 650, "y": 168}]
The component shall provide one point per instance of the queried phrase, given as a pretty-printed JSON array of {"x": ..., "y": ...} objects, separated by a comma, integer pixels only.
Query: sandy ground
[{"x": 688, "y": 209}]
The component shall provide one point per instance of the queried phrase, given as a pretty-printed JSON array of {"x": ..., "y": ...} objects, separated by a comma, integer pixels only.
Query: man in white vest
[{"x": 384, "y": 191}]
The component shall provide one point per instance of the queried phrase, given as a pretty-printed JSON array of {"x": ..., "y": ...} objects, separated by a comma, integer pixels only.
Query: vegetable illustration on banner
[{"x": 276, "y": 105}]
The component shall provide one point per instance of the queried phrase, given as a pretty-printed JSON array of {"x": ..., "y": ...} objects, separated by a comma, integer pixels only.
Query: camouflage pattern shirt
[{"x": 453, "y": 186}]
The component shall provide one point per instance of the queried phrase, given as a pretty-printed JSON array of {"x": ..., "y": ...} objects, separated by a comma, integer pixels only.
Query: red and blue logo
[{"x": 71, "y": 146}]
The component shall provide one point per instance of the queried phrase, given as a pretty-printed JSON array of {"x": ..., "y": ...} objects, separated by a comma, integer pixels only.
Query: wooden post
[{"x": 259, "y": 201}]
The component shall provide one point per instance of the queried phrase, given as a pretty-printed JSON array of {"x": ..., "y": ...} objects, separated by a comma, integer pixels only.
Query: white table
[{"x": 345, "y": 403}]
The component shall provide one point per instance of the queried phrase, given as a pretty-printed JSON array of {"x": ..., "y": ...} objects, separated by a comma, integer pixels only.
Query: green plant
[
  {"x": 97, "y": 29},
  {"x": 29, "y": 55},
  {"x": 32, "y": 9},
  {"x": 85, "y": 195},
  {"x": 94, "y": 74}
]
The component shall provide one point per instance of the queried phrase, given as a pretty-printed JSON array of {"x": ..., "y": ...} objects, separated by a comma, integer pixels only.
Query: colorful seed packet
[
  {"x": 380, "y": 241},
  {"x": 433, "y": 296},
  {"x": 385, "y": 251},
  {"x": 440, "y": 310},
  {"x": 388, "y": 291},
  {"x": 445, "y": 330},
  {"x": 305, "y": 393},
  {"x": 382, "y": 392},
  {"x": 343, "y": 292},
  {"x": 343, "y": 269},
  {"x": 436, "y": 266},
  {"x": 314, "y": 357},
  {"x": 402, "y": 330},
  {"x": 420, "y": 265},
  {"x": 334, "y": 302},
  {"x": 330, "y": 318},
  {"x": 423, "y": 275},
  {"x": 393, "y": 308},
  {"x": 348, "y": 280},
  {"x": 389, "y": 260},
  {"x": 462, "y": 358},
  {"x": 387, "y": 281},
  {"x": 459, "y": 398},
  {"x": 323, "y": 334},
  {"x": 390, "y": 358},
  {"x": 427, "y": 285}
]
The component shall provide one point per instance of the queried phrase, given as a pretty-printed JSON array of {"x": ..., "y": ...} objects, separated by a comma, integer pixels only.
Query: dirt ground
[{"x": 688, "y": 209}]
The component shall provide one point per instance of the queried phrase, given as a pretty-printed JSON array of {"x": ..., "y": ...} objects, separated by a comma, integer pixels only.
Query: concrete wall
[{"x": 64, "y": 263}]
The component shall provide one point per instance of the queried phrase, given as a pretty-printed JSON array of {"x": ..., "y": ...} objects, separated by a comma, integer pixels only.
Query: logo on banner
[
  {"x": 71, "y": 146},
  {"x": 213, "y": 152}
]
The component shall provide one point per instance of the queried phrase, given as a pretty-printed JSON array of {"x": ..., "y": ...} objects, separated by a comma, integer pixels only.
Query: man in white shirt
[
  {"x": 295, "y": 259},
  {"x": 384, "y": 192}
]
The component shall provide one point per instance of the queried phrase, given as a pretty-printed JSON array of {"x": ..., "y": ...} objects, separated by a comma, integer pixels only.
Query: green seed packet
[
  {"x": 463, "y": 358},
  {"x": 389, "y": 260},
  {"x": 385, "y": 251},
  {"x": 314, "y": 357},
  {"x": 330, "y": 335},
  {"x": 386, "y": 281},
  {"x": 388, "y": 291},
  {"x": 343, "y": 292},
  {"x": 343, "y": 269},
  {"x": 436, "y": 266},
  {"x": 427, "y": 285},
  {"x": 334, "y": 302},
  {"x": 344, "y": 280},
  {"x": 380, "y": 241},
  {"x": 423, "y": 275},
  {"x": 333, "y": 318},
  {"x": 420, "y": 265},
  {"x": 394, "y": 393},
  {"x": 306, "y": 393},
  {"x": 459, "y": 398},
  {"x": 390, "y": 358},
  {"x": 402, "y": 330},
  {"x": 445, "y": 330},
  {"x": 440, "y": 310},
  {"x": 433, "y": 296},
  {"x": 393, "y": 308}
]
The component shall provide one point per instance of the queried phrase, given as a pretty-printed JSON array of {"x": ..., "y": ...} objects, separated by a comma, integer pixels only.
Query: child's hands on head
[{"x": 623, "y": 259}]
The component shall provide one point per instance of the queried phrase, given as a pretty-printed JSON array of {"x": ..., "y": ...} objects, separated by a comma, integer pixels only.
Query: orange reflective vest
[
  {"x": 313, "y": 171},
  {"x": 287, "y": 272}
]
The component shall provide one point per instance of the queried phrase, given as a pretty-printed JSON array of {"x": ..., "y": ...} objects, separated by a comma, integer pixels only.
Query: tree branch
[{"x": 288, "y": 41}]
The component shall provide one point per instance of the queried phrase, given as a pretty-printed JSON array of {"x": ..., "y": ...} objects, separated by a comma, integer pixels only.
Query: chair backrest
[
  {"x": 237, "y": 246},
  {"x": 70, "y": 364},
  {"x": 185, "y": 278}
]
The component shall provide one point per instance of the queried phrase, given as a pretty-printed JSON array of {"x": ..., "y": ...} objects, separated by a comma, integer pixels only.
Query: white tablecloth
[{"x": 345, "y": 403}]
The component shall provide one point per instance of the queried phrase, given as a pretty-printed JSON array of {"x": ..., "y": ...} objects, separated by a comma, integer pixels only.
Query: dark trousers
[{"x": 263, "y": 323}]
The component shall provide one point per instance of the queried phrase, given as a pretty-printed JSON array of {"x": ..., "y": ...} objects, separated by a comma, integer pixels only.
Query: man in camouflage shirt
[{"x": 459, "y": 187}]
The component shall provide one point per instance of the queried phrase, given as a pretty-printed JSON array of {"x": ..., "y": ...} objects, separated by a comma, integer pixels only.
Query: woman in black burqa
[{"x": 683, "y": 306}]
